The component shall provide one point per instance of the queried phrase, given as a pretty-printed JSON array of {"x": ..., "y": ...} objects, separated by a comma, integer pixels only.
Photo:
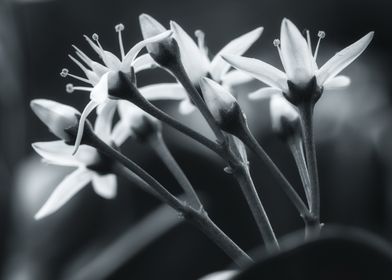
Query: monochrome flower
[
  {"x": 299, "y": 63},
  {"x": 97, "y": 74},
  {"x": 197, "y": 64},
  {"x": 88, "y": 163}
]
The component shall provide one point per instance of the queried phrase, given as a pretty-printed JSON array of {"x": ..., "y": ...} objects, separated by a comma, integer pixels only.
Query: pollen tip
[
  {"x": 276, "y": 42},
  {"x": 321, "y": 34},
  {"x": 95, "y": 37},
  {"x": 119, "y": 27},
  {"x": 64, "y": 72},
  {"x": 69, "y": 88}
]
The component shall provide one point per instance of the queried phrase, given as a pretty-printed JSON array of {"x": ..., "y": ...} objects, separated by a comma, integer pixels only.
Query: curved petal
[
  {"x": 100, "y": 92},
  {"x": 236, "y": 77},
  {"x": 144, "y": 62},
  {"x": 238, "y": 46},
  {"x": 121, "y": 132},
  {"x": 221, "y": 275},
  {"x": 264, "y": 93},
  {"x": 131, "y": 55},
  {"x": 105, "y": 185},
  {"x": 342, "y": 59},
  {"x": 337, "y": 82},
  {"x": 195, "y": 63},
  {"x": 70, "y": 186},
  {"x": 259, "y": 70},
  {"x": 296, "y": 57},
  {"x": 56, "y": 152},
  {"x": 186, "y": 107},
  {"x": 164, "y": 91},
  {"x": 103, "y": 122}
]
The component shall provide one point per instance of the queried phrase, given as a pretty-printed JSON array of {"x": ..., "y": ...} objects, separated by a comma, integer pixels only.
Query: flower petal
[
  {"x": 194, "y": 61},
  {"x": 144, "y": 62},
  {"x": 337, "y": 82},
  {"x": 259, "y": 70},
  {"x": 164, "y": 91},
  {"x": 99, "y": 94},
  {"x": 342, "y": 59},
  {"x": 186, "y": 107},
  {"x": 264, "y": 93},
  {"x": 281, "y": 109},
  {"x": 70, "y": 185},
  {"x": 221, "y": 275},
  {"x": 238, "y": 46},
  {"x": 103, "y": 122},
  {"x": 105, "y": 185},
  {"x": 297, "y": 59},
  {"x": 56, "y": 152},
  {"x": 131, "y": 55},
  {"x": 121, "y": 132},
  {"x": 236, "y": 77}
]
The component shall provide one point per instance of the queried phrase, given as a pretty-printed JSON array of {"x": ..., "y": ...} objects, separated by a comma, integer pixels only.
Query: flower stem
[
  {"x": 305, "y": 110},
  {"x": 247, "y": 137},
  {"x": 248, "y": 189},
  {"x": 157, "y": 143},
  {"x": 198, "y": 217}
]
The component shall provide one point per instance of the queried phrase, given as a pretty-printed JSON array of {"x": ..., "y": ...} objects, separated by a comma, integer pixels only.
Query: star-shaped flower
[
  {"x": 88, "y": 163},
  {"x": 97, "y": 74},
  {"x": 197, "y": 63},
  {"x": 299, "y": 63}
]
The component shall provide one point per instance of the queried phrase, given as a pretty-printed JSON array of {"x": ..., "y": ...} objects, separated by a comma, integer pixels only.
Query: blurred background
[{"x": 92, "y": 238}]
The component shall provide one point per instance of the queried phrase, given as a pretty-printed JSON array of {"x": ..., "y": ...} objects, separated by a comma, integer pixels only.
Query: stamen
[
  {"x": 200, "y": 35},
  {"x": 309, "y": 41},
  {"x": 276, "y": 43},
  {"x": 69, "y": 88},
  {"x": 321, "y": 35},
  {"x": 120, "y": 27},
  {"x": 102, "y": 52},
  {"x": 64, "y": 72}
]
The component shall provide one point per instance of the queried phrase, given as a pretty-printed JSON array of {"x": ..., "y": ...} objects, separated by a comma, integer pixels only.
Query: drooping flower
[
  {"x": 299, "y": 63},
  {"x": 88, "y": 162},
  {"x": 196, "y": 61},
  {"x": 97, "y": 74}
]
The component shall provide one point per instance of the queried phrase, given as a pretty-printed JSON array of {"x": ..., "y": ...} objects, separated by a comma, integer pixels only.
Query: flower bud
[
  {"x": 285, "y": 119},
  {"x": 56, "y": 116},
  {"x": 164, "y": 52},
  {"x": 221, "y": 103}
]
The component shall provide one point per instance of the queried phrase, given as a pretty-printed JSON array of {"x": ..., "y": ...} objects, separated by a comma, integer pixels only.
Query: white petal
[
  {"x": 264, "y": 93},
  {"x": 103, "y": 122},
  {"x": 71, "y": 185},
  {"x": 296, "y": 57},
  {"x": 238, "y": 46},
  {"x": 337, "y": 82},
  {"x": 164, "y": 91},
  {"x": 342, "y": 59},
  {"x": 144, "y": 62},
  {"x": 56, "y": 152},
  {"x": 105, "y": 185},
  {"x": 87, "y": 110},
  {"x": 221, "y": 275},
  {"x": 194, "y": 61},
  {"x": 236, "y": 77},
  {"x": 259, "y": 70},
  {"x": 131, "y": 55},
  {"x": 149, "y": 26},
  {"x": 100, "y": 92},
  {"x": 186, "y": 107},
  {"x": 121, "y": 132},
  {"x": 281, "y": 108}
]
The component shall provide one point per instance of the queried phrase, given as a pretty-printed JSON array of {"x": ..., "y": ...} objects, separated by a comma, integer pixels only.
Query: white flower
[
  {"x": 282, "y": 112},
  {"x": 97, "y": 74},
  {"x": 299, "y": 63},
  {"x": 197, "y": 63},
  {"x": 90, "y": 167},
  {"x": 56, "y": 116}
]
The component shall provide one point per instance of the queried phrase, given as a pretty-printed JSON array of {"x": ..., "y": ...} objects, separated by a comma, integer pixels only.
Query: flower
[
  {"x": 97, "y": 74},
  {"x": 284, "y": 117},
  {"x": 56, "y": 116},
  {"x": 299, "y": 63},
  {"x": 197, "y": 63},
  {"x": 88, "y": 163}
]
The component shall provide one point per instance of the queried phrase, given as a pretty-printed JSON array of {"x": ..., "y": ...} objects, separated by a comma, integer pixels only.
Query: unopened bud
[{"x": 56, "y": 116}]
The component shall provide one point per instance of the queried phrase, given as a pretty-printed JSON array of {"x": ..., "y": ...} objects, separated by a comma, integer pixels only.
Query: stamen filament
[
  {"x": 119, "y": 28},
  {"x": 321, "y": 35},
  {"x": 200, "y": 35},
  {"x": 309, "y": 41},
  {"x": 276, "y": 43}
]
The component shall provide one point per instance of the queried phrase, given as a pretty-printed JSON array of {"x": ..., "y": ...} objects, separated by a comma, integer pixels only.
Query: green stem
[
  {"x": 306, "y": 112},
  {"x": 197, "y": 216},
  {"x": 248, "y": 189},
  {"x": 157, "y": 143}
]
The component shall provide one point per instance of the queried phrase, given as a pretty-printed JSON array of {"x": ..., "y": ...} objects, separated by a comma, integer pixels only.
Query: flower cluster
[{"x": 202, "y": 83}]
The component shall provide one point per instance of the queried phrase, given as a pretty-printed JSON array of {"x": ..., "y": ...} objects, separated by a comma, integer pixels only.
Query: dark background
[{"x": 352, "y": 132}]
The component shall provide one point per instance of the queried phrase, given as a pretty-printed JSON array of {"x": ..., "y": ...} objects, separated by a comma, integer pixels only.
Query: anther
[
  {"x": 64, "y": 72},
  {"x": 119, "y": 27},
  {"x": 321, "y": 34},
  {"x": 95, "y": 37},
  {"x": 69, "y": 88}
]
